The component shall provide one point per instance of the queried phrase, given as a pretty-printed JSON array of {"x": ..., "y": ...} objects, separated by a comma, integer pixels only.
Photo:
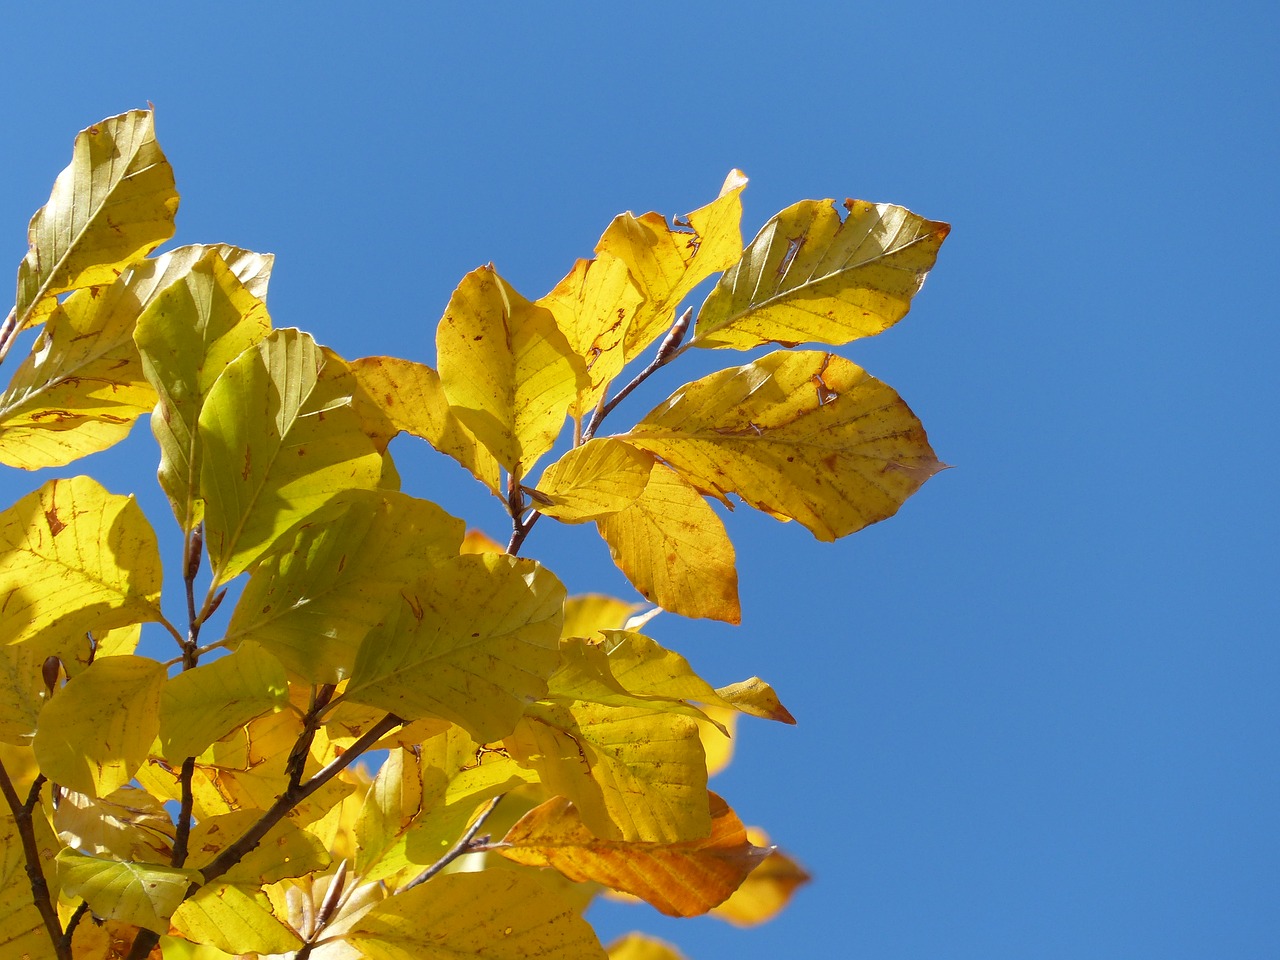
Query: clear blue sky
[{"x": 1038, "y": 711}]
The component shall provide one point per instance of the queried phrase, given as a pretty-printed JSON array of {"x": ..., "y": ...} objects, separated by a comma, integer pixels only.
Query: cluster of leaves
[{"x": 208, "y": 806}]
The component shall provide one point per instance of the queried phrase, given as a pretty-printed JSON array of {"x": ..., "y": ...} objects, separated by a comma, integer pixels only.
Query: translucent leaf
[
  {"x": 507, "y": 370},
  {"x": 202, "y": 705},
  {"x": 286, "y": 851},
  {"x": 142, "y": 894},
  {"x": 666, "y": 263},
  {"x": 22, "y": 930},
  {"x": 234, "y": 918},
  {"x": 592, "y": 481},
  {"x": 634, "y": 772},
  {"x": 766, "y": 891},
  {"x": 473, "y": 641},
  {"x": 496, "y": 914},
  {"x": 22, "y": 689},
  {"x": 280, "y": 439},
  {"x": 810, "y": 277},
  {"x": 95, "y": 734},
  {"x": 75, "y": 558},
  {"x": 126, "y": 824},
  {"x": 638, "y": 946},
  {"x": 593, "y": 306},
  {"x": 313, "y": 602},
  {"x": 400, "y": 395},
  {"x": 187, "y": 336},
  {"x": 674, "y": 549},
  {"x": 803, "y": 434},
  {"x": 683, "y": 879},
  {"x": 112, "y": 205},
  {"x": 589, "y": 612}
]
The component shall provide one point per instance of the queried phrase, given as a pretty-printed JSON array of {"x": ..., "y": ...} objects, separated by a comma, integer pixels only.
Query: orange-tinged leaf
[
  {"x": 477, "y": 541},
  {"x": 112, "y": 205},
  {"x": 666, "y": 263},
  {"x": 673, "y": 548},
  {"x": 141, "y": 894},
  {"x": 683, "y": 879},
  {"x": 497, "y": 914},
  {"x": 94, "y": 735},
  {"x": 400, "y": 395},
  {"x": 810, "y": 277},
  {"x": 593, "y": 481},
  {"x": 803, "y": 434},
  {"x": 507, "y": 370},
  {"x": 473, "y": 641},
  {"x": 638, "y": 946},
  {"x": 593, "y": 306},
  {"x": 766, "y": 891}
]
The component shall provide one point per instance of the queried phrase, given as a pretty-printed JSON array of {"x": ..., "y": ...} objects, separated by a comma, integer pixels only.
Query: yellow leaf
[
  {"x": 674, "y": 549},
  {"x": 22, "y": 688},
  {"x": 589, "y": 612},
  {"x": 682, "y": 879},
  {"x": 592, "y": 481},
  {"x": 75, "y": 558},
  {"x": 400, "y": 395},
  {"x": 803, "y": 434},
  {"x": 766, "y": 891},
  {"x": 111, "y": 940},
  {"x": 313, "y": 601},
  {"x": 477, "y": 541},
  {"x": 22, "y": 931},
  {"x": 187, "y": 336},
  {"x": 634, "y": 772},
  {"x": 473, "y": 641},
  {"x": 112, "y": 205},
  {"x": 507, "y": 370},
  {"x": 280, "y": 439},
  {"x": 497, "y": 914},
  {"x": 755, "y": 697},
  {"x": 666, "y": 264},
  {"x": 202, "y": 705},
  {"x": 638, "y": 946},
  {"x": 234, "y": 918},
  {"x": 141, "y": 894},
  {"x": 717, "y": 735},
  {"x": 593, "y": 306},
  {"x": 94, "y": 735},
  {"x": 808, "y": 276},
  {"x": 126, "y": 824},
  {"x": 286, "y": 851}
]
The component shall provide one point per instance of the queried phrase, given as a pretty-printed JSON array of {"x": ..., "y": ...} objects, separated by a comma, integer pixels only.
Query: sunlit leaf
[
  {"x": 286, "y": 851},
  {"x": 234, "y": 918},
  {"x": 638, "y": 946},
  {"x": 683, "y": 879},
  {"x": 202, "y": 705},
  {"x": 496, "y": 914},
  {"x": 803, "y": 434},
  {"x": 112, "y": 205},
  {"x": 810, "y": 277},
  {"x": 22, "y": 689},
  {"x": 400, "y": 395},
  {"x": 473, "y": 641},
  {"x": 187, "y": 336},
  {"x": 667, "y": 263},
  {"x": 142, "y": 894},
  {"x": 507, "y": 370},
  {"x": 22, "y": 931},
  {"x": 97, "y": 731},
  {"x": 674, "y": 549},
  {"x": 634, "y": 772},
  {"x": 592, "y": 481},
  {"x": 593, "y": 306},
  {"x": 589, "y": 612},
  {"x": 766, "y": 890},
  {"x": 280, "y": 439},
  {"x": 126, "y": 824}
]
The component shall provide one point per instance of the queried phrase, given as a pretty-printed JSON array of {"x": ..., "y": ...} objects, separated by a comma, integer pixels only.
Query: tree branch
[
  {"x": 23, "y": 816},
  {"x": 458, "y": 849}
]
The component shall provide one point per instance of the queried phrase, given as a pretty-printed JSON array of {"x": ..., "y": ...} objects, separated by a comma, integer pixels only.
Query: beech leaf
[
  {"x": 593, "y": 481},
  {"x": 142, "y": 894}
]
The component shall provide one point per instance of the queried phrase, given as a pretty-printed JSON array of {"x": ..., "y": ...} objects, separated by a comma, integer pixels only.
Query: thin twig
[
  {"x": 23, "y": 817},
  {"x": 458, "y": 849},
  {"x": 8, "y": 332},
  {"x": 668, "y": 350}
]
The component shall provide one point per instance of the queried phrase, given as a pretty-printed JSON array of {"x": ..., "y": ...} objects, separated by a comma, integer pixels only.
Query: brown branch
[
  {"x": 463, "y": 845},
  {"x": 23, "y": 816},
  {"x": 74, "y": 922}
]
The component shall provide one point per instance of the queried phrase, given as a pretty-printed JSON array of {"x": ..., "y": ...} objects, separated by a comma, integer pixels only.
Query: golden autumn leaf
[
  {"x": 593, "y": 307},
  {"x": 126, "y": 824},
  {"x": 286, "y": 851},
  {"x": 496, "y": 914},
  {"x": 682, "y": 879},
  {"x": 508, "y": 372},
  {"x": 802, "y": 435},
  {"x": 811, "y": 277},
  {"x": 586, "y": 613},
  {"x": 766, "y": 890},
  {"x": 112, "y": 205},
  {"x": 142, "y": 894},
  {"x": 592, "y": 481},
  {"x": 234, "y": 918},
  {"x": 637, "y": 946},
  {"x": 673, "y": 548},
  {"x": 22, "y": 930},
  {"x": 666, "y": 263}
]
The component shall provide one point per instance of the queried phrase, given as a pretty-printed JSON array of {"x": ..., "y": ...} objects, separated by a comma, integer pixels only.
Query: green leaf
[
  {"x": 202, "y": 705},
  {"x": 141, "y": 894},
  {"x": 95, "y": 734},
  {"x": 496, "y": 914},
  {"x": 187, "y": 336},
  {"x": 112, "y": 205},
  {"x": 313, "y": 602},
  {"x": 473, "y": 641},
  {"x": 810, "y": 277},
  {"x": 75, "y": 558},
  {"x": 280, "y": 439},
  {"x": 802, "y": 435}
]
